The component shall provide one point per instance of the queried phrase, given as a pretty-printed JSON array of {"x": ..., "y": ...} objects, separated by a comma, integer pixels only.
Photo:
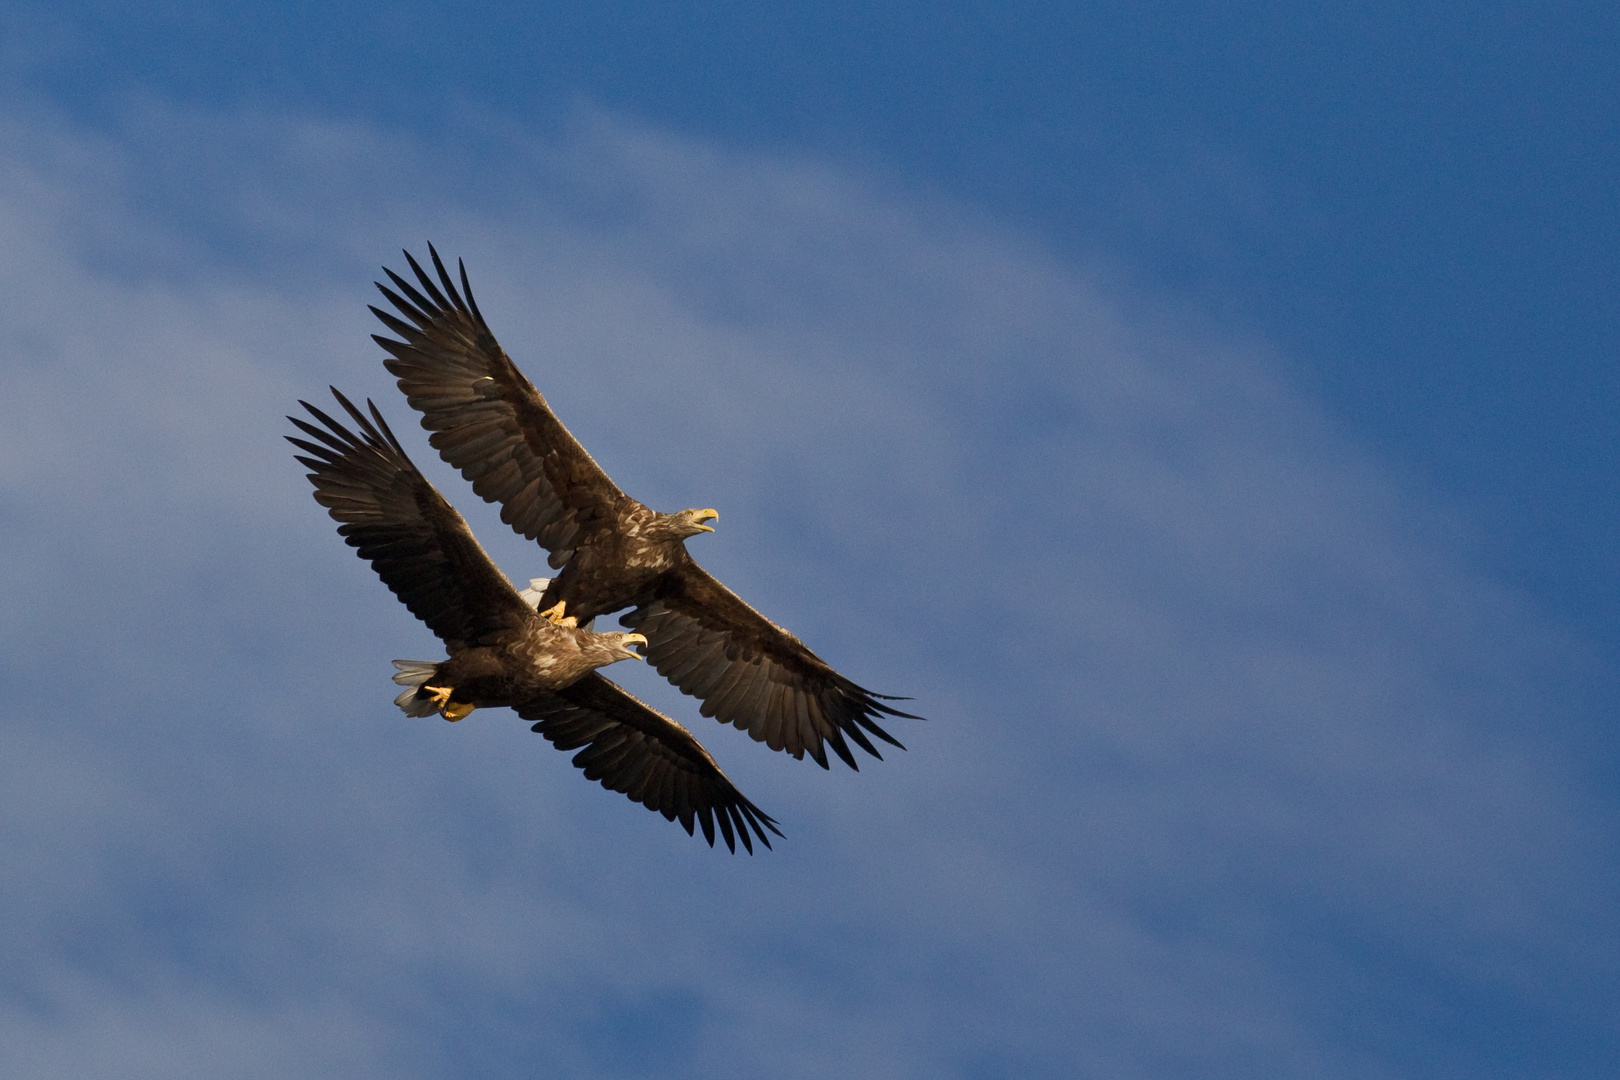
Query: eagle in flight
[
  {"x": 610, "y": 551},
  {"x": 502, "y": 651}
]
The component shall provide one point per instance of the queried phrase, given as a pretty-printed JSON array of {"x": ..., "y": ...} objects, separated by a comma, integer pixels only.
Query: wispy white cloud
[{"x": 1228, "y": 743}]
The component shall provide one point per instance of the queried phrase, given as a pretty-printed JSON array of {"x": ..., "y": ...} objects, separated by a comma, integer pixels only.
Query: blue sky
[{"x": 1207, "y": 412}]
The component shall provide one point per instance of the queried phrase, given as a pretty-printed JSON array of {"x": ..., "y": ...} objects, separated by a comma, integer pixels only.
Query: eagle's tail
[
  {"x": 412, "y": 674},
  {"x": 536, "y": 589}
]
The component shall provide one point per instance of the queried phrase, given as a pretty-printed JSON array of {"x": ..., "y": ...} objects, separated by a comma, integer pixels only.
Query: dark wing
[
  {"x": 417, "y": 543},
  {"x": 632, "y": 748},
  {"x": 487, "y": 419},
  {"x": 750, "y": 672}
]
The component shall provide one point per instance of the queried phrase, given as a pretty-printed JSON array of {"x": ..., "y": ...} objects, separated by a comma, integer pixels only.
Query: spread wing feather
[
  {"x": 636, "y": 750},
  {"x": 418, "y": 544},
  {"x": 487, "y": 419},
  {"x": 751, "y": 673}
]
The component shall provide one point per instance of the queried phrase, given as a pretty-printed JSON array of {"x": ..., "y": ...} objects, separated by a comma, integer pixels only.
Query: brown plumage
[
  {"x": 491, "y": 423},
  {"x": 502, "y": 653}
]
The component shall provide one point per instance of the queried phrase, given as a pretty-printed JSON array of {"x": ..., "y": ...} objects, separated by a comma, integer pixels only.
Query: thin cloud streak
[{"x": 1226, "y": 742}]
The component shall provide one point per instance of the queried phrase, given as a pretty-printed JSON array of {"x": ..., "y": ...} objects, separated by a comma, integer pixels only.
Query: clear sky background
[{"x": 1208, "y": 412}]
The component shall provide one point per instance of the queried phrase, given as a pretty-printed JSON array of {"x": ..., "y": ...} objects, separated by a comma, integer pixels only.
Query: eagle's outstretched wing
[
  {"x": 418, "y": 544},
  {"x": 634, "y": 749},
  {"x": 750, "y": 672},
  {"x": 487, "y": 419}
]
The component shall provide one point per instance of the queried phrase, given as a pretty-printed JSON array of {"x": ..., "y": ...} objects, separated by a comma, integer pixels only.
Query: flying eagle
[
  {"x": 491, "y": 423},
  {"x": 502, "y": 652}
]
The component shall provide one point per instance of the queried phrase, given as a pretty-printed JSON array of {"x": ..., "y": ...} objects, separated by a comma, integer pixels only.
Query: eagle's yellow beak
[
  {"x": 632, "y": 639},
  {"x": 705, "y": 515}
]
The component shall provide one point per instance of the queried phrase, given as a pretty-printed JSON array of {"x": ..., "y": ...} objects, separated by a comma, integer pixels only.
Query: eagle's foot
[
  {"x": 450, "y": 710},
  {"x": 555, "y": 614}
]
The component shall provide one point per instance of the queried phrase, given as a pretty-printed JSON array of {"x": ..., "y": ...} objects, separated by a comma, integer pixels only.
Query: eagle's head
[
  {"x": 690, "y": 522},
  {"x": 617, "y": 646}
]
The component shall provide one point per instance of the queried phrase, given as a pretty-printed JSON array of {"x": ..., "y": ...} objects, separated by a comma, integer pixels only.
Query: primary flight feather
[{"x": 611, "y": 552}]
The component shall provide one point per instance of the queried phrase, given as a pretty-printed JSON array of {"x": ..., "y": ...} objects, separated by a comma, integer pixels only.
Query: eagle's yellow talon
[
  {"x": 450, "y": 710},
  {"x": 555, "y": 614}
]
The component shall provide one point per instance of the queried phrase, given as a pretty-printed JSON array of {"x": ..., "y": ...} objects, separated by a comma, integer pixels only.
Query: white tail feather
[
  {"x": 412, "y": 674},
  {"x": 536, "y": 589}
]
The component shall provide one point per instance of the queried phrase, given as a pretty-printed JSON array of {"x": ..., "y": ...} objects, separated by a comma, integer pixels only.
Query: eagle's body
[
  {"x": 614, "y": 554},
  {"x": 539, "y": 658},
  {"x": 621, "y": 560}
]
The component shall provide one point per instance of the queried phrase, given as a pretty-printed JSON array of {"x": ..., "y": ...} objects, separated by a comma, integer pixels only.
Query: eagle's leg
[
  {"x": 450, "y": 710},
  {"x": 555, "y": 614}
]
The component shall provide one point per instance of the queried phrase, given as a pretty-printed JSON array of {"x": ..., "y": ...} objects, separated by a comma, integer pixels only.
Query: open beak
[
  {"x": 705, "y": 515},
  {"x": 632, "y": 639}
]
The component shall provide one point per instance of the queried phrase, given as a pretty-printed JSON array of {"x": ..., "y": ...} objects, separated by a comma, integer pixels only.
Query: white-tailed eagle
[
  {"x": 612, "y": 552},
  {"x": 501, "y": 651}
]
